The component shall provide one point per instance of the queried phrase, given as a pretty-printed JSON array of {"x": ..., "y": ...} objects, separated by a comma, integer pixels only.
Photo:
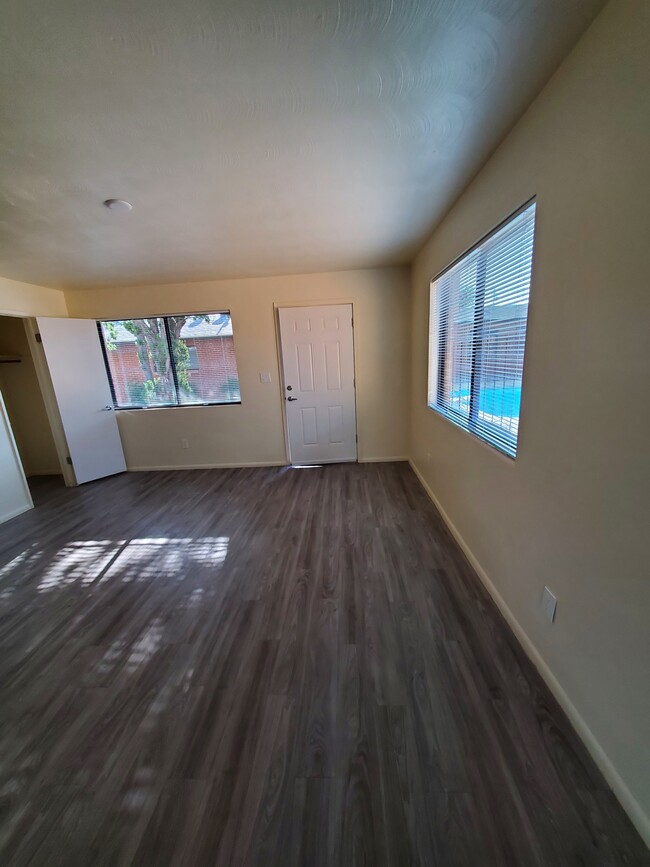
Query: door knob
[
  {"x": 292, "y": 398},
  {"x": 107, "y": 409}
]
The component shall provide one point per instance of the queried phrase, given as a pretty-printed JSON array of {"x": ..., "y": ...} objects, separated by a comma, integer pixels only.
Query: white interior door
[
  {"x": 318, "y": 364},
  {"x": 76, "y": 365},
  {"x": 14, "y": 492}
]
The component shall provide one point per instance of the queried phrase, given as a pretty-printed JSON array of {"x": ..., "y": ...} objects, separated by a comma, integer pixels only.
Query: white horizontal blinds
[
  {"x": 499, "y": 363},
  {"x": 479, "y": 313},
  {"x": 456, "y": 298}
]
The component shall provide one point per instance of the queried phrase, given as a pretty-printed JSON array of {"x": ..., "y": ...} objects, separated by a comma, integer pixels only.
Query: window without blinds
[
  {"x": 477, "y": 336},
  {"x": 171, "y": 360}
]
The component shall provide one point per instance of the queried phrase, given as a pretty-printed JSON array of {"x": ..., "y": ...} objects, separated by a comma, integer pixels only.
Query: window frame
[
  {"x": 132, "y": 407},
  {"x": 469, "y": 423},
  {"x": 192, "y": 366}
]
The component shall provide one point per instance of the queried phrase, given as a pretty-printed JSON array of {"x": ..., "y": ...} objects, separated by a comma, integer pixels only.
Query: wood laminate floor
[{"x": 274, "y": 667}]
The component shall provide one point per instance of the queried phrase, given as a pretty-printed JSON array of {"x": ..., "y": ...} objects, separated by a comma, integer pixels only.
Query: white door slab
[
  {"x": 317, "y": 345},
  {"x": 14, "y": 491},
  {"x": 76, "y": 365}
]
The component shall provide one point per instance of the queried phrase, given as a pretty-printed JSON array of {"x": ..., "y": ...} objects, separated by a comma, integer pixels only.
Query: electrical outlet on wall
[
  {"x": 549, "y": 604},
  {"x": 185, "y": 443}
]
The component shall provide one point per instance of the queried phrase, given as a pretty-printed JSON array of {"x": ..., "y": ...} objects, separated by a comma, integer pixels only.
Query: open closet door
[
  {"x": 14, "y": 492},
  {"x": 76, "y": 365}
]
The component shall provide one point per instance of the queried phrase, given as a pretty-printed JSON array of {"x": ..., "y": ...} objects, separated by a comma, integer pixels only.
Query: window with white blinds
[{"x": 477, "y": 335}]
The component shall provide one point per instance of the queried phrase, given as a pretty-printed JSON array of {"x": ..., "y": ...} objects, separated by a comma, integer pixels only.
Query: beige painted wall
[
  {"x": 572, "y": 511},
  {"x": 25, "y": 299},
  {"x": 253, "y": 432},
  {"x": 24, "y": 402}
]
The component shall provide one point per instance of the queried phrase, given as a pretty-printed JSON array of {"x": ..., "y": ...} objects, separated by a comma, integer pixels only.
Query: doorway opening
[{"x": 25, "y": 407}]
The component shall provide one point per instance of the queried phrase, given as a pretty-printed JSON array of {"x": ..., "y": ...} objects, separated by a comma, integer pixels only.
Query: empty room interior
[{"x": 324, "y": 454}]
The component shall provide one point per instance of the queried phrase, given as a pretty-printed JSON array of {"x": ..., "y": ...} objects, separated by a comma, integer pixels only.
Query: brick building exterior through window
[{"x": 201, "y": 368}]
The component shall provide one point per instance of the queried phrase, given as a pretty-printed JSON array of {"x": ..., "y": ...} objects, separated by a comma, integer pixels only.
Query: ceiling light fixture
[{"x": 118, "y": 205}]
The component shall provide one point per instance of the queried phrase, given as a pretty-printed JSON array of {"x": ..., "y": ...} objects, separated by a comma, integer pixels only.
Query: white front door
[
  {"x": 76, "y": 365},
  {"x": 318, "y": 365}
]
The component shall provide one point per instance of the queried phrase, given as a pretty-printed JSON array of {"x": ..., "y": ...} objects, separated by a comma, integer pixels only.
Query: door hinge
[
  {"x": 38, "y": 337},
  {"x": 68, "y": 460},
  {"x": 356, "y": 438}
]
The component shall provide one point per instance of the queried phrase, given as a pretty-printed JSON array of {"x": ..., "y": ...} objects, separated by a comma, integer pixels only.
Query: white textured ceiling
[{"x": 252, "y": 136}]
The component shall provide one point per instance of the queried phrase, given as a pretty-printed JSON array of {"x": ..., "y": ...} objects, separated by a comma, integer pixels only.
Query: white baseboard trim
[
  {"x": 234, "y": 466},
  {"x": 391, "y": 460},
  {"x": 241, "y": 465},
  {"x": 629, "y": 803},
  {"x": 15, "y": 513}
]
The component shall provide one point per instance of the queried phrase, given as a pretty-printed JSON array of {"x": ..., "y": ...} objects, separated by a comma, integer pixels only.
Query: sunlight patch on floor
[{"x": 85, "y": 562}]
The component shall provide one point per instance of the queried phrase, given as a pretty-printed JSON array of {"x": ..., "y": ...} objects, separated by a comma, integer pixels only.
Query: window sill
[{"x": 176, "y": 406}]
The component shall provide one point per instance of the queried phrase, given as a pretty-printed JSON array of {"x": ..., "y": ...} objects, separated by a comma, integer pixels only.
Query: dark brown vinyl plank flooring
[{"x": 274, "y": 667}]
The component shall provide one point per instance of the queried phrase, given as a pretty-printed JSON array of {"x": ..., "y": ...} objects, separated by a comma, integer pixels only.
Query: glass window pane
[
  {"x": 204, "y": 355},
  {"x": 505, "y": 314},
  {"x": 193, "y": 363},
  {"x": 139, "y": 363},
  {"x": 459, "y": 342},
  {"x": 477, "y": 336}
]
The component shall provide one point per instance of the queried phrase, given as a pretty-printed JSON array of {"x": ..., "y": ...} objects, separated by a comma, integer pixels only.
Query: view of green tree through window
[{"x": 171, "y": 360}]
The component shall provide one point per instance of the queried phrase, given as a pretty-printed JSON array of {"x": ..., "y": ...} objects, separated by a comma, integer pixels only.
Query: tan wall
[
  {"x": 25, "y": 299},
  {"x": 24, "y": 402},
  {"x": 572, "y": 511},
  {"x": 253, "y": 432}
]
